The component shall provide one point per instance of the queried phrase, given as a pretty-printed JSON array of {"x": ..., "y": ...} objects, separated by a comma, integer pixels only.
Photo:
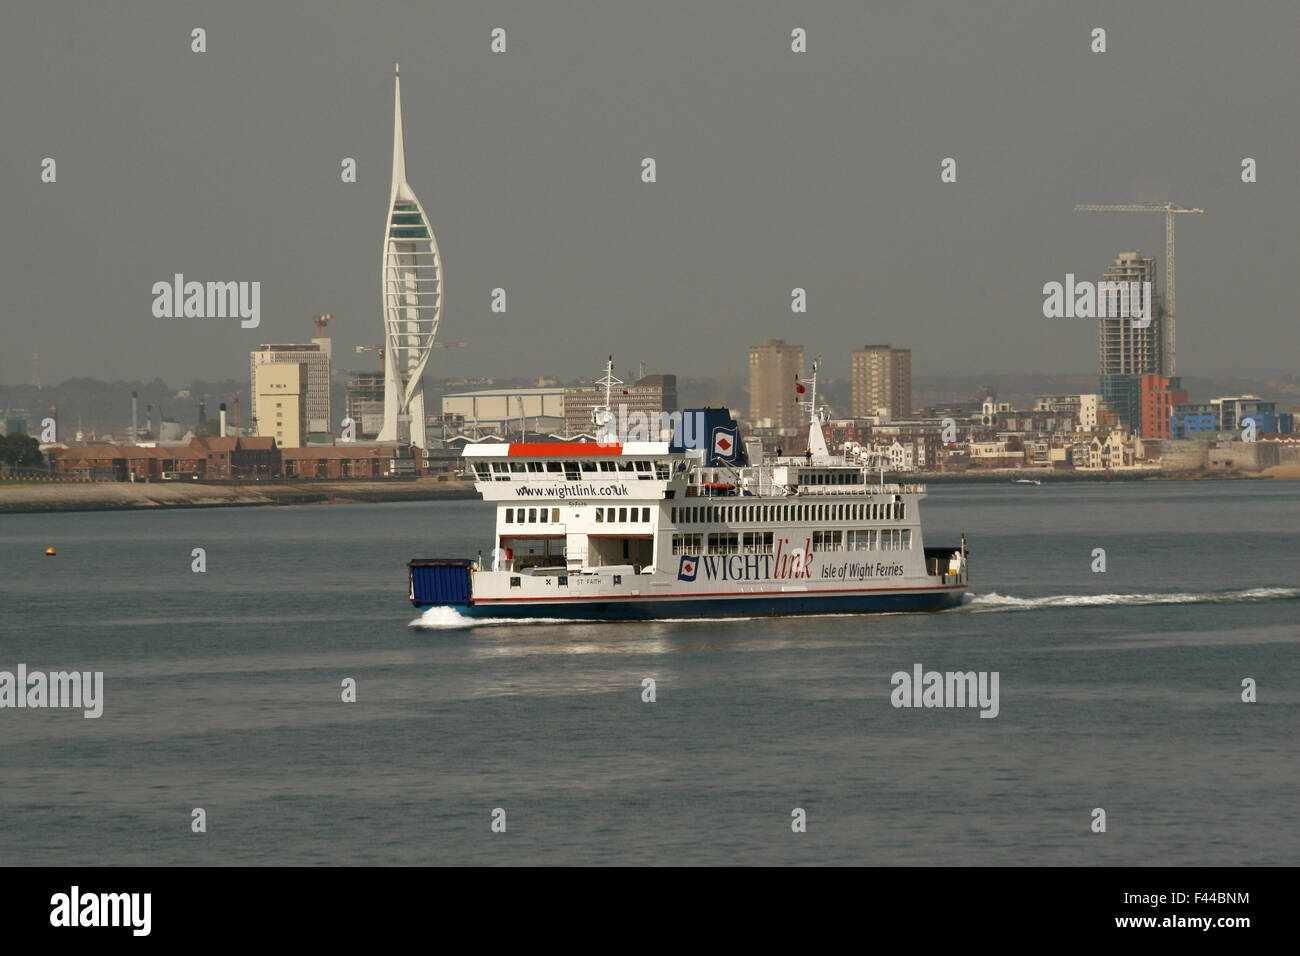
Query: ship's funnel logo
[
  {"x": 688, "y": 567},
  {"x": 724, "y": 443}
]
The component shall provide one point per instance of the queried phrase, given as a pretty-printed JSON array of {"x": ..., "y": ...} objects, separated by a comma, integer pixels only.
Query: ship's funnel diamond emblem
[
  {"x": 724, "y": 442},
  {"x": 687, "y": 569}
]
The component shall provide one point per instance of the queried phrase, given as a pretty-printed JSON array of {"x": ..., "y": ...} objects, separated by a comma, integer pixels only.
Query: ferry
[{"x": 699, "y": 525}]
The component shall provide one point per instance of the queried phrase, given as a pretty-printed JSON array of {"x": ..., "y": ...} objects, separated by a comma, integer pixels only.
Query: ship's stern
[{"x": 440, "y": 582}]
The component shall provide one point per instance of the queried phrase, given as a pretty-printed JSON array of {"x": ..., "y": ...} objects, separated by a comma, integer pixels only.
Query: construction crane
[
  {"x": 1169, "y": 209},
  {"x": 322, "y": 321}
]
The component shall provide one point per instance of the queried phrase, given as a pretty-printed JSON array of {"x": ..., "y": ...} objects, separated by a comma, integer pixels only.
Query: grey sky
[{"x": 775, "y": 170}]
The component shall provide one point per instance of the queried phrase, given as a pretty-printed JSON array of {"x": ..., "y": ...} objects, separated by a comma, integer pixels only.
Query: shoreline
[{"x": 46, "y": 497}]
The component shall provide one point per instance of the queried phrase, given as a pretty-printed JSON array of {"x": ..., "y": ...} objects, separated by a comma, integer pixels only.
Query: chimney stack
[
  {"x": 223, "y": 420},
  {"x": 135, "y": 419}
]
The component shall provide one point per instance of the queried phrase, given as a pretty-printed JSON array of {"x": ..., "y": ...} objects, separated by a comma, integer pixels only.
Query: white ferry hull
[
  {"x": 647, "y": 607},
  {"x": 831, "y": 584}
]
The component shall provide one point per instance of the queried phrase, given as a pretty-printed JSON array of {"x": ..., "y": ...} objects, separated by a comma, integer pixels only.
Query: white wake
[{"x": 1005, "y": 602}]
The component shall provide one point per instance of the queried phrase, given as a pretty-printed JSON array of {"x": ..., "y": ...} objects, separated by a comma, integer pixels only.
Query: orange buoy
[{"x": 50, "y": 552}]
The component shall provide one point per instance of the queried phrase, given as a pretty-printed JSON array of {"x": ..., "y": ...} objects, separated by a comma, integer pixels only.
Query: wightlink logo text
[
  {"x": 953, "y": 689},
  {"x": 74, "y": 689},
  {"x": 179, "y": 299}
]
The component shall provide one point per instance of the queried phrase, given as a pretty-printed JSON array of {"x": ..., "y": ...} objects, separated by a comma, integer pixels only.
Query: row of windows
[
  {"x": 603, "y": 515},
  {"x": 572, "y": 470},
  {"x": 622, "y": 514},
  {"x": 760, "y": 542},
  {"x": 532, "y": 515},
  {"x": 830, "y": 477},
  {"x": 732, "y": 514},
  {"x": 723, "y": 542}
]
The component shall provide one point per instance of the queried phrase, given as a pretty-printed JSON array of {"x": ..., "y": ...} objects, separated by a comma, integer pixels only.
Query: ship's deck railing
[
  {"x": 777, "y": 490},
  {"x": 860, "y": 489}
]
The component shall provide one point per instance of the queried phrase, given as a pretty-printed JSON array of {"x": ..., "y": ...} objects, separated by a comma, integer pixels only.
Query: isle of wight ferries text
[{"x": 786, "y": 564}]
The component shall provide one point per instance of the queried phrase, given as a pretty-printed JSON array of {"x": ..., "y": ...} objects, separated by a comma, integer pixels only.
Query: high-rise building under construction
[{"x": 1130, "y": 334}]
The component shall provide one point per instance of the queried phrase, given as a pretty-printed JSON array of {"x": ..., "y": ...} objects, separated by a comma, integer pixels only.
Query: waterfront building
[
  {"x": 881, "y": 380},
  {"x": 775, "y": 369},
  {"x": 281, "y": 403}
]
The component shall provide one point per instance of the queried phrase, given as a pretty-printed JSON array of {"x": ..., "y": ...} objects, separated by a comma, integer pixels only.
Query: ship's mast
[
  {"x": 816, "y": 440},
  {"x": 602, "y": 415}
]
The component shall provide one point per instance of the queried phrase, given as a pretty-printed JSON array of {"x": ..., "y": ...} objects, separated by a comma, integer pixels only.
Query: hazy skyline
[{"x": 775, "y": 170}]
